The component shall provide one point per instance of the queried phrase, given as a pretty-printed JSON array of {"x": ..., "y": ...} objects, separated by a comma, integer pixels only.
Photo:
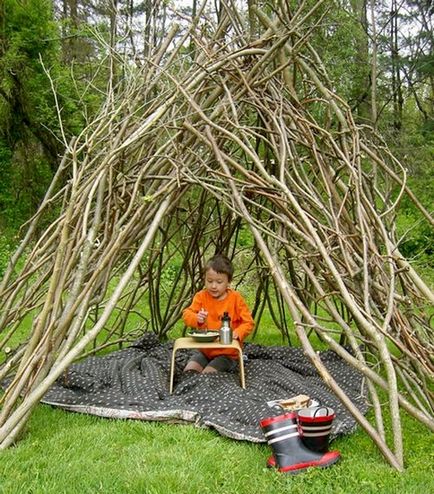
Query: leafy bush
[
  {"x": 417, "y": 238},
  {"x": 416, "y": 153},
  {"x": 6, "y": 251}
]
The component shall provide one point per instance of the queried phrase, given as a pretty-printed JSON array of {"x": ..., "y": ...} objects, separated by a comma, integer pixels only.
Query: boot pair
[{"x": 300, "y": 441}]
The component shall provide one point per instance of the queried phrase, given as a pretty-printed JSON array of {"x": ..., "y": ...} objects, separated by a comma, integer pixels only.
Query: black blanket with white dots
[{"x": 133, "y": 383}]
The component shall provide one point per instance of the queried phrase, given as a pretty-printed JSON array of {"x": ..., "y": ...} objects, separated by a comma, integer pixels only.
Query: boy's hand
[{"x": 201, "y": 316}]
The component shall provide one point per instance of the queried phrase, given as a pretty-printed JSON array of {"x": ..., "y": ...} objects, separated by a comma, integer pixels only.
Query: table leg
[
  {"x": 172, "y": 370},
  {"x": 241, "y": 365}
]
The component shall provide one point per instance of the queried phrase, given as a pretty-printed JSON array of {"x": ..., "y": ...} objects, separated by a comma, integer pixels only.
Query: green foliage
[
  {"x": 6, "y": 250},
  {"x": 29, "y": 35},
  {"x": 31, "y": 141},
  {"x": 338, "y": 41},
  {"x": 22, "y": 185},
  {"x": 417, "y": 241},
  {"x": 415, "y": 150},
  {"x": 5, "y": 162}
]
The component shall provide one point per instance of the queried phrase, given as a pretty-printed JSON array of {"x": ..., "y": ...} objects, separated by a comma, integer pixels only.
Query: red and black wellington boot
[
  {"x": 315, "y": 425},
  {"x": 289, "y": 453}
]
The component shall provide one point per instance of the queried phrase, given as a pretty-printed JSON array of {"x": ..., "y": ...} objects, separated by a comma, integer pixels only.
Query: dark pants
[{"x": 220, "y": 363}]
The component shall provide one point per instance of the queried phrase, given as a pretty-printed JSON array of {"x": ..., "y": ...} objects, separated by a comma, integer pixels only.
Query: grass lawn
[
  {"x": 64, "y": 452},
  {"x": 70, "y": 453}
]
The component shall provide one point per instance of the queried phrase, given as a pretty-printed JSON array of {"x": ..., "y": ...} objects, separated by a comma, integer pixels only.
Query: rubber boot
[
  {"x": 290, "y": 455},
  {"x": 315, "y": 425}
]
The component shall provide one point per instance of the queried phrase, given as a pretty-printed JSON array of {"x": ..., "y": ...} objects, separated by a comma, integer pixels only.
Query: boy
[{"x": 206, "y": 310}]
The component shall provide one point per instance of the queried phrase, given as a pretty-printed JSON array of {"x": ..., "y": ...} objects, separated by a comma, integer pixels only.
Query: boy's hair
[{"x": 220, "y": 264}]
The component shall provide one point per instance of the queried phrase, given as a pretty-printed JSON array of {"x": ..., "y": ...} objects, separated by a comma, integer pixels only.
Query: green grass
[
  {"x": 64, "y": 452},
  {"x": 69, "y": 453}
]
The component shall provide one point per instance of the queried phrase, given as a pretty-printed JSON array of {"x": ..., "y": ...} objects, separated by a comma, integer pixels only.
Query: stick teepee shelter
[{"x": 195, "y": 153}]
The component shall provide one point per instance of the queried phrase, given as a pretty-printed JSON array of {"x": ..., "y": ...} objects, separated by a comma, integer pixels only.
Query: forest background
[
  {"x": 54, "y": 55},
  {"x": 379, "y": 55}
]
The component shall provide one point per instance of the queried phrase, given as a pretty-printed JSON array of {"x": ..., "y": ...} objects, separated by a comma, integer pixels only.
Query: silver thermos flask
[{"x": 226, "y": 330}]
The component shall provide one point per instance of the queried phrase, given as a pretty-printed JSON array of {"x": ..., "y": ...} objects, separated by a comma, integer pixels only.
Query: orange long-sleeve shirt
[{"x": 234, "y": 304}]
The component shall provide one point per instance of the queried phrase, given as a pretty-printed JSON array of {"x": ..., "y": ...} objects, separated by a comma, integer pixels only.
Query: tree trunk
[
  {"x": 361, "y": 87},
  {"x": 397, "y": 98},
  {"x": 374, "y": 69}
]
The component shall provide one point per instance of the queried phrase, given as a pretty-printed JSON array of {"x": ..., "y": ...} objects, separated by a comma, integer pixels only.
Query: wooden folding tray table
[{"x": 189, "y": 343}]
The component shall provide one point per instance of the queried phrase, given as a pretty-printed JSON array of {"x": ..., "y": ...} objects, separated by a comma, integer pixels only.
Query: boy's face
[{"x": 216, "y": 284}]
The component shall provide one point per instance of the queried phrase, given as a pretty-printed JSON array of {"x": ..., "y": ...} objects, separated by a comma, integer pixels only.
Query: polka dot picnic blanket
[{"x": 133, "y": 383}]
